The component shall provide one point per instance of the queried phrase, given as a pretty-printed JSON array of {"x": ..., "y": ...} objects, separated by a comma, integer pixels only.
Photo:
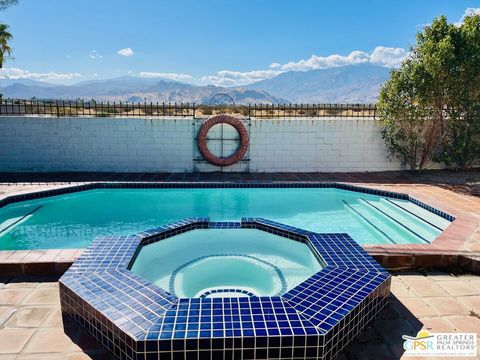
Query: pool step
[
  {"x": 424, "y": 215},
  {"x": 370, "y": 221},
  {"x": 385, "y": 224},
  {"x": 404, "y": 220},
  {"x": 10, "y": 223},
  {"x": 415, "y": 222}
]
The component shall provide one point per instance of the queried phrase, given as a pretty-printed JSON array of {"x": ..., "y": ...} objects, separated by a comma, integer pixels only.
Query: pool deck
[
  {"x": 457, "y": 247},
  {"x": 31, "y": 326}
]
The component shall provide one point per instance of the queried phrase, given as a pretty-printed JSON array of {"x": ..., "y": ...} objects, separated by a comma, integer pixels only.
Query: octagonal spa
[
  {"x": 252, "y": 289},
  {"x": 226, "y": 263}
]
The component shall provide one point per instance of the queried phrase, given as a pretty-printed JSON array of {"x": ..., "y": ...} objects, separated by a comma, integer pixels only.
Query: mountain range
[
  {"x": 347, "y": 84},
  {"x": 134, "y": 89}
]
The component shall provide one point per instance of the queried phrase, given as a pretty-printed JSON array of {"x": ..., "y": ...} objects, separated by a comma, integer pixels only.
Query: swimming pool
[{"x": 73, "y": 220}]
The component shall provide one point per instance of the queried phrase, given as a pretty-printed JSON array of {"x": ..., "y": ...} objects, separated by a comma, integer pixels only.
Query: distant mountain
[
  {"x": 346, "y": 84},
  {"x": 8, "y": 82},
  {"x": 134, "y": 89}
]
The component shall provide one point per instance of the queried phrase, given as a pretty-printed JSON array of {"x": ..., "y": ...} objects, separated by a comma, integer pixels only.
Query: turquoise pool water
[
  {"x": 236, "y": 261},
  {"x": 74, "y": 220}
]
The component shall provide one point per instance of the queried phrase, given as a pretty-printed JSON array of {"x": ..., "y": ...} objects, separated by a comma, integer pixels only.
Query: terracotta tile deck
[{"x": 31, "y": 326}]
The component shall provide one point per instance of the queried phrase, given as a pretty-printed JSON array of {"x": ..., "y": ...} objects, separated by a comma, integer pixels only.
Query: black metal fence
[{"x": 68, "y": 108}]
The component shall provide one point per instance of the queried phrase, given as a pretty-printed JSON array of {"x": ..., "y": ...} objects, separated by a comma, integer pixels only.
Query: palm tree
[
  {"x": 5, "y": 35},
  {"x": 7, "y": 3},
  {"x": 5, "y": 49}
]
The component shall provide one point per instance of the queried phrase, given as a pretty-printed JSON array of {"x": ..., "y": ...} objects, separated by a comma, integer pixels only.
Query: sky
[{"x": 221, "y": 42}]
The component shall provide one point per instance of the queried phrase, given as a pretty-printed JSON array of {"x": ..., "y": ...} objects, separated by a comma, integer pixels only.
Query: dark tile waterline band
[
  {"x": 135, "y": 319},
  {"x": 220, "y": 185},
  {"x": 226, "y": 290}
]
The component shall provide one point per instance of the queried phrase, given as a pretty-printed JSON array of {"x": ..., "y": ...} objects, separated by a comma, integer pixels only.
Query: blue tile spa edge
[{"x": 136, "y": 319}]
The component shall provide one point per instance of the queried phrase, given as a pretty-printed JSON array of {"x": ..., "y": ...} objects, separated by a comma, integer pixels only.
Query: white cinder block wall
[
  {"x": 168, "y": 145},
  {"x": 309, "y": 145},
  {"x": 95, "y": 144}
]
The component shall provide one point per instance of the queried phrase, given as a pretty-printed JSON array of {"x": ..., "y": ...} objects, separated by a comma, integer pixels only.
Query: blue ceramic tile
[{"x": 101, "y": 293}]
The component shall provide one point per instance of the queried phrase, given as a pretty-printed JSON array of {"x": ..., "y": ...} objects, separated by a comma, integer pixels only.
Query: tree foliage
[
  {"x": 4, "y": 4},
  {"x": 5, "y": 35},
  {"x": 431, "y": 104},
  {"x": 5, "y": 49}
]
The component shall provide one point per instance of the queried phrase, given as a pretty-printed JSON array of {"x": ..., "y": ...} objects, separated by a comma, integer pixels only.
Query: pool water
[
  {"x": 74, "y": 220},
  {"x": 226, "y": 263}
]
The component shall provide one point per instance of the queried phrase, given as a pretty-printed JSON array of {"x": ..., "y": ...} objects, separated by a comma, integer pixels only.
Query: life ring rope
[{"x": 202, "y": 140}]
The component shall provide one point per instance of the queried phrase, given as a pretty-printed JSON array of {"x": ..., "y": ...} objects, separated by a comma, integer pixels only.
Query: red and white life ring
[{"x": 202, "y": 140}]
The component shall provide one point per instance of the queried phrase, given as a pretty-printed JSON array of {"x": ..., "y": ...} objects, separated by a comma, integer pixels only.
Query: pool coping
[{"x": 444, "y": 252}]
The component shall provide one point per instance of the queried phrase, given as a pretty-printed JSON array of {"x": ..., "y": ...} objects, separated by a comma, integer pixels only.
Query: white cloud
[
  {"x": 323, "y": 62},
  {"x": 95, "y": 55},
  {"x": 169, "y": 76},
  {"x": 125, "y": 52},
  {"x": 15, "y": 73},
  {"x": 381, "y": 55},
  {"x": 471, "y": 11},
  {"x": 231, "y": 78},
  {"x": 468, "y": 12},
  {"x": 387, "y": 56},
  {"x": 422, "y": 26}
]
